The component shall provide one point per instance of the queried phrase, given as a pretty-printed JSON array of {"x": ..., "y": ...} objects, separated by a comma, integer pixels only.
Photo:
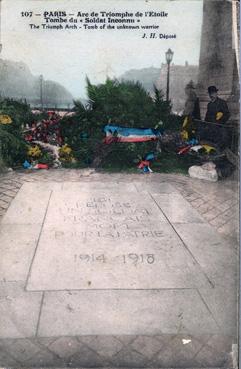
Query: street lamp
[{"x": 169, "y": 57}]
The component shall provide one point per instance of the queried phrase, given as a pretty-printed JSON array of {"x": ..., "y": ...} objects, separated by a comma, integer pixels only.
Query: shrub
[
  {"x": 119, "y": 103},
  {"x": 13, "y": 148}
]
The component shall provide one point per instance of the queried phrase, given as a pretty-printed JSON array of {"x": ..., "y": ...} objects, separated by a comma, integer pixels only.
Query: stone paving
[
  {"x": 117, "y": 351},
  {"x": 218, "y": 202},
  {"x": 205, "y": 340}
]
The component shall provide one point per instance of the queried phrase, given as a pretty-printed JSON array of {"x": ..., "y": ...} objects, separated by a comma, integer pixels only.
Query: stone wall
[{"x": 217, "y": 64}]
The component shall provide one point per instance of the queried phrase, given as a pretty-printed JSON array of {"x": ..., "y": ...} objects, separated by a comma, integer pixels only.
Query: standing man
[
  {"x": 217, "y": 109},
  {"x": 191, "y": 111},
  {"x": 191, "y": 108},
  {"x": 218, "y": 114}
]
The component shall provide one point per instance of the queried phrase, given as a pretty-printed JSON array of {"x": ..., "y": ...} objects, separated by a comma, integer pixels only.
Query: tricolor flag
[{"x": 125, "y": 134}]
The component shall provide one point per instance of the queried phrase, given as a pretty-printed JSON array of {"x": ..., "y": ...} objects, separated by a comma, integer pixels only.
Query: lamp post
[{"x": 169, "y": 57}]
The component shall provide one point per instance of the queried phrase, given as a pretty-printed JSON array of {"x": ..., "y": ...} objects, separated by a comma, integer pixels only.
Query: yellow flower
[
  {"x": 66, "y": 154},
  {"x": 65, "y": 150},
  {"x": 34, "y": 151},
  {"x": 208, "y": 148},
  {"x": 5, "y": 119},
  {"x": 184, "y": 135}
]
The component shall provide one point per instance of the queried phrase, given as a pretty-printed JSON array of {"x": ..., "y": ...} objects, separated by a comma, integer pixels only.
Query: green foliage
[
  {"x": 76, "y": 132},
  {"x": 2, "y": 166},
  {"x": 162, "y": 108},
  {"x": 19, "y": 112},
  {"x": 174, "y": 123},
  {"x": 123, "y": 103},
  {"x": 123, "y": 155},
  {"x": 12, "y": 146},
  {"x": 126, "y": 103},
  {"x": 167, "y": 162},
  {"x": 46, "y": 158},
  {"x": 170, "y": 162}
]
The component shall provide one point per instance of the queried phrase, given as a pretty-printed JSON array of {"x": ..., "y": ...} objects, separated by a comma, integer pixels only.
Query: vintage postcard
[{"x": 119, "y": 183}]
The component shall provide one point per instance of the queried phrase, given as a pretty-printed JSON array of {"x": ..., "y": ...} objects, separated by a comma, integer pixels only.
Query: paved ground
[
  {"x": 193, "y": 327},
  {"x": 218, "y": 202}
]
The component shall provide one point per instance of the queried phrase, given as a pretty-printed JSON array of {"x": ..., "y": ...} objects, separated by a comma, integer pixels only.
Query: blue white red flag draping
[{"x": 125, "y": 134}]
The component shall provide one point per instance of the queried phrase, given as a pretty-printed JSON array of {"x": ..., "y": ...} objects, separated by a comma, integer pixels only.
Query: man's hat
[
  {"x": 212, "y": 89},
  {"x": 190, "y": 85}
]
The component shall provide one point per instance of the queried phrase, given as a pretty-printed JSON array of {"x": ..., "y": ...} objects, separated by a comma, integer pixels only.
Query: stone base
[{"x": 200, "y": 173}]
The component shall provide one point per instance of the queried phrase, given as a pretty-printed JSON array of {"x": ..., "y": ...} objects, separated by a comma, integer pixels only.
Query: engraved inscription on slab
[{"x": 98, "y": 241}]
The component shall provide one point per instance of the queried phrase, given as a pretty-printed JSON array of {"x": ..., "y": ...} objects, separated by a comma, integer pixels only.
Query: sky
[{"x": 68, "y": 56}]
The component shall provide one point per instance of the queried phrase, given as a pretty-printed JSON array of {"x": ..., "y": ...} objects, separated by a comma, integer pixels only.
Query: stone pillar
[
  {"x": 218, "y": 62},
  {"x": 0, "y": 25}
]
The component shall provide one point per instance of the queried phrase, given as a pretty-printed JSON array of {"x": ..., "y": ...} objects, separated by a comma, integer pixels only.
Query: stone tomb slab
[
  {"x": 117, "y": 187},
  {"x": 107, "y": 241},
  {"x": 106, "y": 209}
]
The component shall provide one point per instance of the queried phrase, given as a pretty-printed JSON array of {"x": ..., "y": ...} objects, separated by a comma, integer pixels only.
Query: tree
[{"x": 162, "y": 107}]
